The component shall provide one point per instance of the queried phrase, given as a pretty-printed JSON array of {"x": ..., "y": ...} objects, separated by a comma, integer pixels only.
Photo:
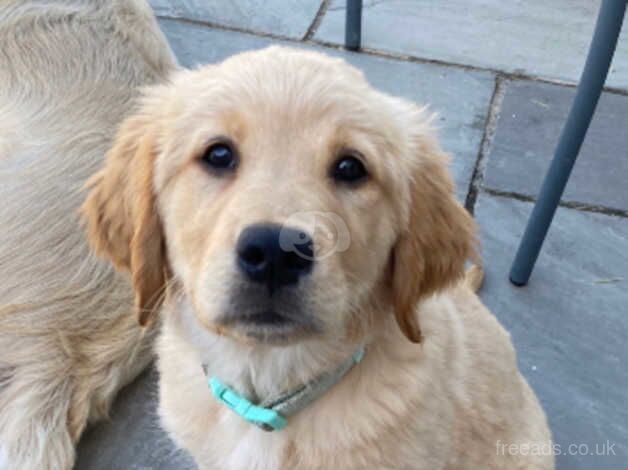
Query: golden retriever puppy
[
  {"x": 305, "y": 228},
  {"x": 69, "y": 70}
]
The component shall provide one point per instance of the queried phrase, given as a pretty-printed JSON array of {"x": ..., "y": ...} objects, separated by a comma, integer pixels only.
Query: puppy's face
[{"x": 285, "y": 196}]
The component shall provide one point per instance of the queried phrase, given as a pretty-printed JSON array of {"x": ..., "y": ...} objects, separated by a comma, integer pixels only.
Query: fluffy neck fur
[
  {"x": 342, "y": 429},
  {"x": 259, "y": 371}
]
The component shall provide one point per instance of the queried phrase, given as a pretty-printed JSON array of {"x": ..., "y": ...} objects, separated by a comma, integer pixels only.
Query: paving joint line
[
  {"x": 575, "y": 205},
  {"x": 490, "y": 126},
  {"x": 513, "y": 76},
  {"x": 318, "y": 18},
  {"x": 233, "y": 29}
]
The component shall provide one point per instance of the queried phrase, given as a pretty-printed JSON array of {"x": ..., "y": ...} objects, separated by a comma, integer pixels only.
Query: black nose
[{"x": 275, "y": 255}]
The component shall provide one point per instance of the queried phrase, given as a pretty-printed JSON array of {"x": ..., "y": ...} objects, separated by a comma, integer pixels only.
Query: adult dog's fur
[
  {"x": 438, "y": 387},
  {"x": 69, "y": 71}
]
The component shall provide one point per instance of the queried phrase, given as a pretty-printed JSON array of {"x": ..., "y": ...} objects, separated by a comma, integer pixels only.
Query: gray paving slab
[
  {"x": 569, "y": 324},
  {"x": 530, "y": 121},
  {"x": 460, "y": 97},
  {"x": 288, "y": 18},
  {"x": 196, "y": 45},
  {"x": 132, "y": 439},
  {"x": 536, "y": 37}
]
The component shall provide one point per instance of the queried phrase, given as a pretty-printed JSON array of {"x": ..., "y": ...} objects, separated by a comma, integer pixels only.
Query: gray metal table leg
[
  {"x": 353, "y": 25},
  {"x": 599, "y": 58}
]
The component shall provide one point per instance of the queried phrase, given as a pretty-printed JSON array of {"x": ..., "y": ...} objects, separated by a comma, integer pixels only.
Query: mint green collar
[{"x": 271, "y": 415}]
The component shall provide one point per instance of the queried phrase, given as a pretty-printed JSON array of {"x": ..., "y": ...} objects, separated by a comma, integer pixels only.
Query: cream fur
[
  {"x": 69, "y": 71},
  {"x": 438, "y": 387}
]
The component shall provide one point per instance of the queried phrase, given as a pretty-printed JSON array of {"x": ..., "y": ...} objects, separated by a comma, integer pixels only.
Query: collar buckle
[{"x": 265, "y": 418}]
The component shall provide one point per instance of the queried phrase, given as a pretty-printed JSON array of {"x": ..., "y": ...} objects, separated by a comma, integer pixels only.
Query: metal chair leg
[
  {"x": 599, "y": 58},
  {"x": 353, "y": 25}
]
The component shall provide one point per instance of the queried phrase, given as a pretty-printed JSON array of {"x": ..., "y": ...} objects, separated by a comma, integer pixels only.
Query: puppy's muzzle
[{"x": 274, "y": 255}]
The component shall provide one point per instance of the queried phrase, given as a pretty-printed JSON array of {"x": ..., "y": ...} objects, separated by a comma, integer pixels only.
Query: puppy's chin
[
  {"x": 284, "y": 335},
  {"x": 252, "y": 331}
]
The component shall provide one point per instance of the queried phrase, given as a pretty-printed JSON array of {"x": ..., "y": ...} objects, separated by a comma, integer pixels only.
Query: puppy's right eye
[
  {"x": 349, "y": 169},
  {"x": 219, "y": 156}
]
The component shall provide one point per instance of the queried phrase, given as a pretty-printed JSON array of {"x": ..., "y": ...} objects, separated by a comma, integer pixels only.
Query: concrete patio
[{"x": 501, "y": 76}]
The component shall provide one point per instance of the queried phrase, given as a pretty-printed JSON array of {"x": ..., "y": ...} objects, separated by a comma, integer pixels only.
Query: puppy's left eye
[
  {"x": 219, "y": 156},
  {"x": 348, "y": 169}
]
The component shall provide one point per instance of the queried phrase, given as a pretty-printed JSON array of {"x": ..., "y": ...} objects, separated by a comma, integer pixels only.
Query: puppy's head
[{"x": 284, "y": 195}]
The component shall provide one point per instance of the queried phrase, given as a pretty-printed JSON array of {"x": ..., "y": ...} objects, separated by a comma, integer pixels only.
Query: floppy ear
[
  {"x": 438, "y": 238},
  {"x": 121, "y": 217}
]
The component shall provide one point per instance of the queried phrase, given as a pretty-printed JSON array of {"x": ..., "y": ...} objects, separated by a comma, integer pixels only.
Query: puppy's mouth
[
  {"x": 254, "y": 315},
  {"x": 270, "y": 326},
  {"x": 266, "y": 318}
]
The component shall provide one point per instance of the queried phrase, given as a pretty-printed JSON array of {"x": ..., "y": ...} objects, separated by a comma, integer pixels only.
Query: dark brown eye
[
  {"x": 220, "y": 156},
  {"x": 348, "y": 169}
]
